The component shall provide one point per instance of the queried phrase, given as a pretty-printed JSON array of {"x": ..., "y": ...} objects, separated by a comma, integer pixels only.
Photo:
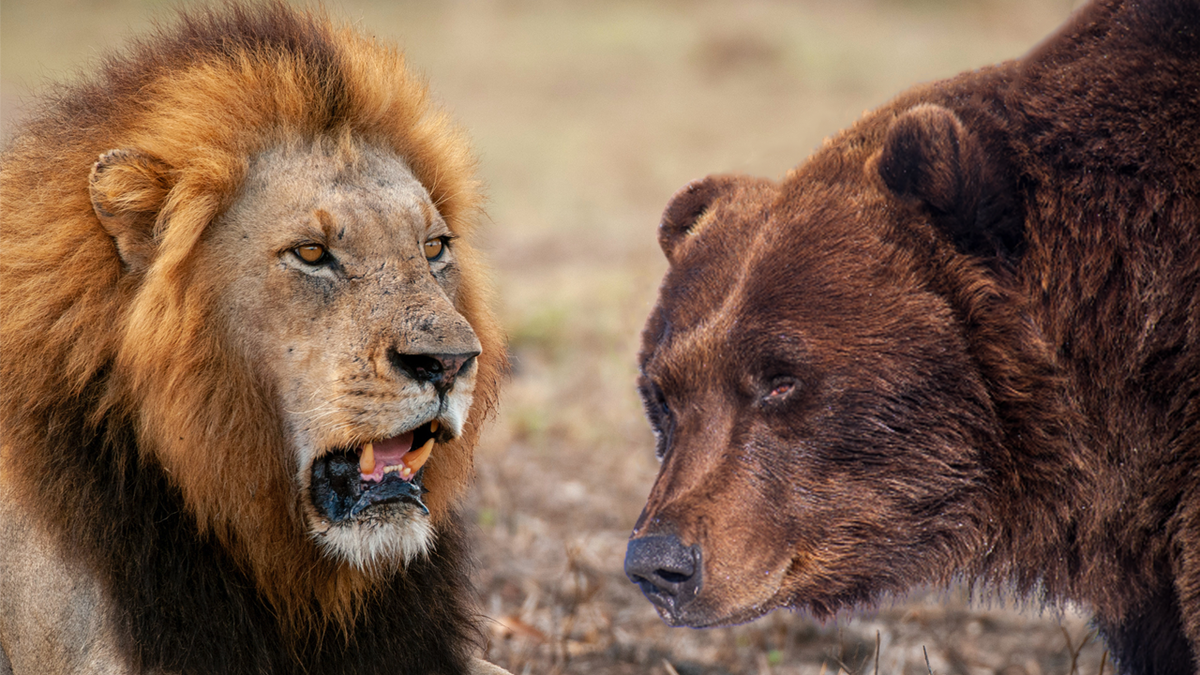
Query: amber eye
[
  {"x": 433, "y": 248},
  {"x": 310, "y": 253},
  {"x": 781, "y": 388}
]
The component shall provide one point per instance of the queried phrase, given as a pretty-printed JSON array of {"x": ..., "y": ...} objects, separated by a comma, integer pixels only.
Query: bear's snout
[{"x": 668, "y": 572}]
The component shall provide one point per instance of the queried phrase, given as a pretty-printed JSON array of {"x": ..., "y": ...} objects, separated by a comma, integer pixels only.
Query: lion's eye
[
  {"x": 310, "y": 253},
  {"x": 434, "y": 248}
]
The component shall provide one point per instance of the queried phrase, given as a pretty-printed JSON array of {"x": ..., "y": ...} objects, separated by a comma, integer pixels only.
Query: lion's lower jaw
[{"x": 373, "y": 547}]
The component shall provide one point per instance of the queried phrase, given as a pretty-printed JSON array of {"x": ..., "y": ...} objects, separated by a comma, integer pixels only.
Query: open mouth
[{"x": 349, "y": 481}]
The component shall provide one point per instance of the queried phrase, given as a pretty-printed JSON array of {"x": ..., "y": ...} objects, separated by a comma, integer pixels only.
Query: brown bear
[{"x": 961, "y": 341}]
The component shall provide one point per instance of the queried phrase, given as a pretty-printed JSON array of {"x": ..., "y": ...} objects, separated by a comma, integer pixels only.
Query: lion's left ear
[
  {"x": 128, "y": 188},
  {"x": 929, "y": 155}
]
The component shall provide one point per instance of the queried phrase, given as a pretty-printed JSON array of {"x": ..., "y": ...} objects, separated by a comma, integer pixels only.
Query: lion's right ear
[
  {"x": 686, "y": 208},
  {"x": 128, "y": 188}
]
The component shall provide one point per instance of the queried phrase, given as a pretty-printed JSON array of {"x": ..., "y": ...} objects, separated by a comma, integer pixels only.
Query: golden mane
[{"x": 202, "y": 98}]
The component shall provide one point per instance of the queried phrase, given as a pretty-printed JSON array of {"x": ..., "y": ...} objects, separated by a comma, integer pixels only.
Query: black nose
[
  {"x": 667, "y": 571},
  {"x": 438, "y": 369}
]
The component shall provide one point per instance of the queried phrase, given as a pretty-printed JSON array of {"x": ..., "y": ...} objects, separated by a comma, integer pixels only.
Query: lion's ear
[
  {"x": 931, "y": 156},
  {"x": 686, "y": 208},
  {"x": 128, "y": 188}
]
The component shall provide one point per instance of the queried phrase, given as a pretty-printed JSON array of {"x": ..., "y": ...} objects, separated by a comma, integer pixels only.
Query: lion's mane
[{"x": 126, "y": 419}]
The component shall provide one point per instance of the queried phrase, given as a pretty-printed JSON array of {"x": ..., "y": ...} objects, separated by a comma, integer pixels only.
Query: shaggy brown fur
[
  {"x": 962, "y": 339},
  {"x": 130, "y": 424}
]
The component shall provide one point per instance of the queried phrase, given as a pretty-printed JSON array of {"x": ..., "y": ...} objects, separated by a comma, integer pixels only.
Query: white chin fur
[
  {"x": 372, "y": 546},
  {"x": 390, "y": 541}
]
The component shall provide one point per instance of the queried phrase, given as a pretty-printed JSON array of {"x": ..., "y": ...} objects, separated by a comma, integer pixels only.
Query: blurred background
[{"x": 587, "y": 116}]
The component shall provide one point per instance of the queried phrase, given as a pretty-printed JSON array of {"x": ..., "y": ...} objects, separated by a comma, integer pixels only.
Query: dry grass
[{"x": 588, "y": 114}]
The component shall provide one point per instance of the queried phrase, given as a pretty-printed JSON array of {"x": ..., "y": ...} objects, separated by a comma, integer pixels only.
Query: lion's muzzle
[{"x": 349, "y": 482}]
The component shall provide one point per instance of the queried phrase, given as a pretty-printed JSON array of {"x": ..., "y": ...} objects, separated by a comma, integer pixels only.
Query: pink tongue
[{"x": 387, "y": 453}]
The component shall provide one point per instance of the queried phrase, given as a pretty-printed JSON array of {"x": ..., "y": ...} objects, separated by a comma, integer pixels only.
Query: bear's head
[{"x": 827, "y": 424}]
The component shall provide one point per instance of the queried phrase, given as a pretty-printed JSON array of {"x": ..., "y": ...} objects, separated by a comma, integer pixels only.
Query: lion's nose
[{"x": 438, "y": 369}]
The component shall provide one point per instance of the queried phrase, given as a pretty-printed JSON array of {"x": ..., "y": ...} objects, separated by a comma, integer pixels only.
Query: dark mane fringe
[{"x": 183, "y": 604}]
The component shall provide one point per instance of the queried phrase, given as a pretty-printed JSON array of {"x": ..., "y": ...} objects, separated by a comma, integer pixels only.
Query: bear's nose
[
  {"x": 667, "y": 571},
  {"x": 438, "y": 369}
]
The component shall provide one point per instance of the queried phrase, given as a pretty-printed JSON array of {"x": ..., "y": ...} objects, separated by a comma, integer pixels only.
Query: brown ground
[{"x": 588, "y": 114}]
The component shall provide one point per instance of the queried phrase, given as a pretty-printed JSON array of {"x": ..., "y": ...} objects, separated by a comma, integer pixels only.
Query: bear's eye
[
  {"x": 778, "y": 388},
  {"x": 655, "y": 401},
  {"x": 661, "y": 401},
  {"x": 434, "y": 248},
  {"x": 658, "y": 412},
  {"x": 313, "y": 254}
]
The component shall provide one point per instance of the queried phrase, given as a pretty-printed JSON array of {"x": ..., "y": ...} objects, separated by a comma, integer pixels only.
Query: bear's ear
[
  {"x": 929, "y": 155},
  {"x": 685, "y": 209},
  {"x": 128, "y": 188}
]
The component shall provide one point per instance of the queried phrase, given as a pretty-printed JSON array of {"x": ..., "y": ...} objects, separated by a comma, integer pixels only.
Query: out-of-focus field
[{"x": 588, "y": 115}]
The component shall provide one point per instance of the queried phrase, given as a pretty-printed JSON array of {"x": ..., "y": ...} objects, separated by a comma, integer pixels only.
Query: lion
[{"x": 246, "y": 353}]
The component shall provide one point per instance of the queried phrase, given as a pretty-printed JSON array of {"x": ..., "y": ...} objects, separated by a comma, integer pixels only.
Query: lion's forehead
[{"x": 345, "y": 185}]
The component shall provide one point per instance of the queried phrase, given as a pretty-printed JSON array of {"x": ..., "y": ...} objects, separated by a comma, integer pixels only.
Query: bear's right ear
[
  {"x": 685, "y": 209},
  {"x": 128, "y": 188},
  {"x": 929, "y": 155}
]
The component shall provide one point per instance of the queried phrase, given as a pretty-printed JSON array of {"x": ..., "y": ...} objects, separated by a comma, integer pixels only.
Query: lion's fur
[{"x": 96, "y": 360}]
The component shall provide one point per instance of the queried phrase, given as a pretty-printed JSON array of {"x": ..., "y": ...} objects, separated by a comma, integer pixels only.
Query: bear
[
  {"x": 960, "y": 342},
  {"x": 246, "y": 354}
]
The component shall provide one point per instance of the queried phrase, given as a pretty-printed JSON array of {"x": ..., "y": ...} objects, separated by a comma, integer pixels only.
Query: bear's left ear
[
  {"x": 128, "y": 189},
  {"x": 929, "y": 155},
  {"x": 687, "y": 206}
]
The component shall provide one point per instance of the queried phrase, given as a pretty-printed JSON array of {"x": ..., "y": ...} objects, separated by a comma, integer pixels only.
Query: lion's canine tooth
[
  {"x": 366, "y": 463},
  {"x": 433, "y": 426},
  {"x": 416, "y": 459}
]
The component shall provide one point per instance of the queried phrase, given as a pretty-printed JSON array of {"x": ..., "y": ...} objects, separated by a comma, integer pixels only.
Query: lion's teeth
[
  {"x": 366, "y": 463},
  {"x": 415, "y": 459},
  {"x": 433, "y": 426},
  {"x": 393, "y": 468}
]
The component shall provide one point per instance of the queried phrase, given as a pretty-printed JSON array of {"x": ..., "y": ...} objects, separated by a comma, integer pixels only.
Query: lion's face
[{"x": 338, "y": 280}]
